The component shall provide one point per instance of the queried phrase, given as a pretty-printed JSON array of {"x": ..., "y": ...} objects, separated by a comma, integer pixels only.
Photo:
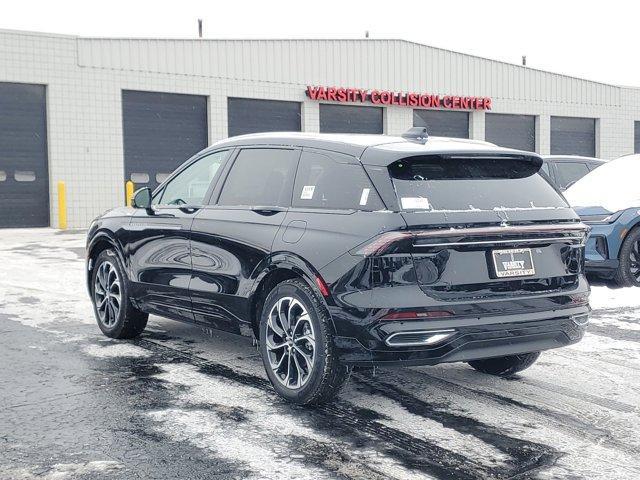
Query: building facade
[{"x": 96, "y": 112}]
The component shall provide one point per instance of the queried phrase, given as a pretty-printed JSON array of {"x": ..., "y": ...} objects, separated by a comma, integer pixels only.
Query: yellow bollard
[
  {"x": 62, "y": 206},
  {"x": 129, "y": 187}
]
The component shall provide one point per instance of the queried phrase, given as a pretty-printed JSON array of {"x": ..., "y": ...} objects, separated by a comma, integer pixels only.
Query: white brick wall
[{"x": 85, "y": 77}]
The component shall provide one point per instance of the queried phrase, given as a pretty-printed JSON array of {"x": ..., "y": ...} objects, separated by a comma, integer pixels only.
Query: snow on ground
[{"x": 574, "y": 414}]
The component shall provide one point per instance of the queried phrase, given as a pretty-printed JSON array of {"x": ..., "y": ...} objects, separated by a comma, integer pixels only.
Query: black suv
[{"x": 343, "y": 251}]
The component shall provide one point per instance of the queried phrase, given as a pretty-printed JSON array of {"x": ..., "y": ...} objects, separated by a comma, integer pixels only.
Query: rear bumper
[{"x": 473, "y": 338}]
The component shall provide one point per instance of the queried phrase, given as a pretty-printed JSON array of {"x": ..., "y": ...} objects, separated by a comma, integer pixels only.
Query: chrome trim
[
  {"x": 139, "y": 227},
  {"x": 501, "y": 242},
  {"x": 450, "y": 332}
]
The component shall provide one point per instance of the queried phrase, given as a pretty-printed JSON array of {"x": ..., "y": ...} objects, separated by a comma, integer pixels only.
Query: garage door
[
  {"x": 250, "y": 115},
  {"x": 24, "y": 176},
  {"x": 441, "y": 123},
  {"x": 349, "y": 119},
  {"x": 161, "y": 131},
  {"x": 636, "y": 137},
  {"x": 573, "y": 136},
  {"x": 511, "y": 131}
]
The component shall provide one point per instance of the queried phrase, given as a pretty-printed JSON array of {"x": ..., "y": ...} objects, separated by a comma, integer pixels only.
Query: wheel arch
[
  {"x": 101, "y": 241},
  {"x": 630, "y": 226},
  {"x": 278, "y": 268}
]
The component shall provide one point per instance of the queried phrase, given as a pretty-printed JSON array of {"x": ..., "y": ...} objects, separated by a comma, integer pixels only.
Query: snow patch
[{"x": 116, "y": 350}]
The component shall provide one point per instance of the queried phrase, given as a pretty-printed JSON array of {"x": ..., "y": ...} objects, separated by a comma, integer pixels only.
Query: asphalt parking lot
[{"x": 182, "y": 403}]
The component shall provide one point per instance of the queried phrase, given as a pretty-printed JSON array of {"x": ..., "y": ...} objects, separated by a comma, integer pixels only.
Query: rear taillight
[{"x": 382, "y": 243}]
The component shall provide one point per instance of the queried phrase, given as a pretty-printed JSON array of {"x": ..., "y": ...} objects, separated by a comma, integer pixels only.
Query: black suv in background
[
  {"x": 342, "y": 251},
  {"x": 565, "y": 170}
]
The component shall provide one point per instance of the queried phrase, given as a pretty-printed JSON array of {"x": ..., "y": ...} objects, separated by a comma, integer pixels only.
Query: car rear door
[
  {"x": 157, "y": 241},
  {"x": 484, "y": 228},
  {"x": 334, "y": 208},
  {"x": 233, "y": 235}
]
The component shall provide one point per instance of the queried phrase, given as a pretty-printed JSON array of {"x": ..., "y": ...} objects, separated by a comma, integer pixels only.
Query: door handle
[
  {"x": 264, "y": 210},
  {"x": 189, "y": 209}
]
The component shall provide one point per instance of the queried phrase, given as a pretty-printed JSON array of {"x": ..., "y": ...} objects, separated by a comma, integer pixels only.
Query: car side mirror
[{"x": 142, "y": 198}]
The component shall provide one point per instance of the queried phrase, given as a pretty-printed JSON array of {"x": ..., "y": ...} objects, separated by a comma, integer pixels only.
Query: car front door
[
  {"x": 233, "y": 236},
  {"x": 157, "y": 244}
]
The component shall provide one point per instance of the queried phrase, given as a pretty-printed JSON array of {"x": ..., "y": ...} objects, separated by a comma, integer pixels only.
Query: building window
[
  {"x": 442, "y": 123},
  {"x": 350, "y": 119},
  {"x": 636, "y": 137},
  {"x": 573, "y": 136},
  {"x": 511, "y": 131}
]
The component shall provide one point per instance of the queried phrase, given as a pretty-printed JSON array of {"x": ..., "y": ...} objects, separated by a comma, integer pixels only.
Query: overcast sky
[{"x": 594, "y": 40}]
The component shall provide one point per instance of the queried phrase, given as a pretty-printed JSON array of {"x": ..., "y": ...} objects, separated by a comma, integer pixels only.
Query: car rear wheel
[
  {"x": 296, "y": 345},
  {"x": 505, "y": 366},
  {"x": 628, "y": 273},
  {"x": 116, "y": 315}
]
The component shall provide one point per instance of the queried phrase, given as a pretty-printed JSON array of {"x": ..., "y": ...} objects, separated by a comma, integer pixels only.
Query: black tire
[
  {"x": 327, "y": 376},
  {"x": 505, "y": 366},
  {"x": 628, "y": 272},
  {"x": 128, "y": 322}
]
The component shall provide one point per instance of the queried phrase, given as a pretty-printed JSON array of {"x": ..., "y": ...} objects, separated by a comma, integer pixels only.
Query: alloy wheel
[
  {"x": 290, "y": 342},
  {"x": 107, "y": 294}
]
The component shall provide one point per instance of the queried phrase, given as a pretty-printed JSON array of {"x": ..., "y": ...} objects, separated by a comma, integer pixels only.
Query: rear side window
[
  {"x": 448, "y": 183},
  {"x": 570, "y": 172},
  {"x": 260, "y": 177},
  {"x": 334, "y": 182}
]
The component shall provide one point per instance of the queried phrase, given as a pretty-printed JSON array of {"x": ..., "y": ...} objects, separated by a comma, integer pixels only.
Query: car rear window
[{"x": 441, "y": 183}]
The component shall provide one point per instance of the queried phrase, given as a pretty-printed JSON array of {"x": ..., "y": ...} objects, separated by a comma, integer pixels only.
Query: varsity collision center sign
[{"x": 400, "y": 99}]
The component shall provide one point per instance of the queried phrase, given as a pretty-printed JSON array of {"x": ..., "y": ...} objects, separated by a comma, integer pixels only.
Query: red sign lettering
[{"x": 386, "y": 97}]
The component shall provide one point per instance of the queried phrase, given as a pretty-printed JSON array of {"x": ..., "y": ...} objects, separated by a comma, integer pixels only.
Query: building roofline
[{"x": 320, "y": 39}]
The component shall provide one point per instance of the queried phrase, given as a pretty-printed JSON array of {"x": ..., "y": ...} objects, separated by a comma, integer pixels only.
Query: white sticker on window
[
  {"x": 307, "y": 192},
  {"x": 365, "y": 196},
  {"x": 415, "y": 203}
]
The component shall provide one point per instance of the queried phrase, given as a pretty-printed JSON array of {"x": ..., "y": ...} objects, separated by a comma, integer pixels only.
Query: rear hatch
[{"x": 481, "y": 226}]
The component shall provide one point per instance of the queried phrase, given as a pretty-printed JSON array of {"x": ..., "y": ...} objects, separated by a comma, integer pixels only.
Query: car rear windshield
[{"x": 457, "y": 183}]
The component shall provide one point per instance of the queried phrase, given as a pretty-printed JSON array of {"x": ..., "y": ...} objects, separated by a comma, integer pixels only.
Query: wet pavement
[{"x": 181, "y": 403}]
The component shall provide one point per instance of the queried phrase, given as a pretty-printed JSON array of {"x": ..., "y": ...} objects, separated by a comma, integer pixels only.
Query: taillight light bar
[{"x": 381, "y": 243}]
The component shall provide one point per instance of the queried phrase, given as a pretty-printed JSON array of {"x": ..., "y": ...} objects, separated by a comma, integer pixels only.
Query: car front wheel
[
  {"x": 628, "y": 273},
  {"x": 116, "y": 315},
  {"x": 296, "y": 345}
]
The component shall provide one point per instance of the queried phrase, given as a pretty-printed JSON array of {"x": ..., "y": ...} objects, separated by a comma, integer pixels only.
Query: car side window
[
  {"x": 190, "y": 186},
  {"x": 333, "y": 181},
  {"x": 570, "y": 172},
  {"x": 260, "y": 177}
]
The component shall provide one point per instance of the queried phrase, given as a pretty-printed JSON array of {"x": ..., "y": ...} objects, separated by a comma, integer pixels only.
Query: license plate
[{"x": 513, "y": 262}]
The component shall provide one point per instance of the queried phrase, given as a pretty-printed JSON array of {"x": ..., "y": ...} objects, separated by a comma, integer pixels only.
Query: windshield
[
  {"x": 439, "y": 183},
  {"x": 614, "y": 186}
]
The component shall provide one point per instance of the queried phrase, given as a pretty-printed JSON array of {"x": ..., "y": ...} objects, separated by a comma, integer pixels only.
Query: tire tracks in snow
[{"x": 361, "y": 427}]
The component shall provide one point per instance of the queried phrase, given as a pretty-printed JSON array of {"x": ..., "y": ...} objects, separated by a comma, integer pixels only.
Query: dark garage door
[
  {"x": 250, "y": 115},
  {"x": 573, "y": 136},
  {"x": 441, "y": 123},
  {"x": 24, "y": 177},
  {"x": 511, "y": 131},
  {"x": 161, "y": 131},
  {"x": 349, "y": 119}
]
